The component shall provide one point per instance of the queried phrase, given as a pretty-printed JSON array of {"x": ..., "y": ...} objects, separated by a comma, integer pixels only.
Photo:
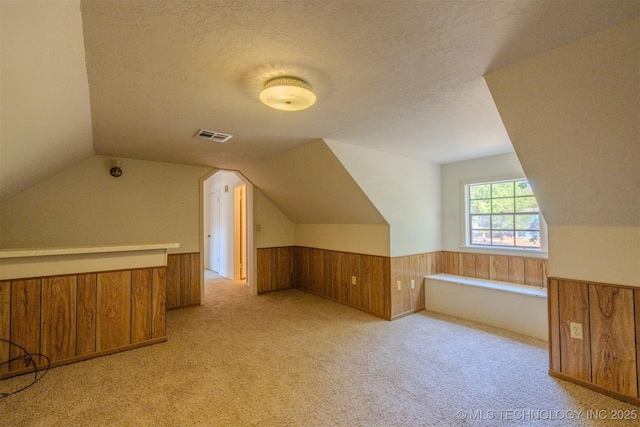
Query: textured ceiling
[{"x": 403, "y": 76}]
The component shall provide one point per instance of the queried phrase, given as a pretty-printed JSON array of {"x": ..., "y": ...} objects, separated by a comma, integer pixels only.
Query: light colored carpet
[{"x": 292, "y": 359}]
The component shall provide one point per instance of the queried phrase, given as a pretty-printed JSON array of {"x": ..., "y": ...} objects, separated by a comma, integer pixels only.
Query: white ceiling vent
[{"x": 210, "y": 135}]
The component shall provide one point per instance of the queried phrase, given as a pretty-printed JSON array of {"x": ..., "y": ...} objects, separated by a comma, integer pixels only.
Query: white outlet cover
[{"x": 576, "y": 330}]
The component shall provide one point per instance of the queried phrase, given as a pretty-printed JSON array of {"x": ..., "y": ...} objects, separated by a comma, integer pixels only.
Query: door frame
[{"x": 251, "y": 247}]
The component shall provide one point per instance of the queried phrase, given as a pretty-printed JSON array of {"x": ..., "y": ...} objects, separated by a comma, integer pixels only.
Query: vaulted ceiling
[{"x": 404, "y": 76}]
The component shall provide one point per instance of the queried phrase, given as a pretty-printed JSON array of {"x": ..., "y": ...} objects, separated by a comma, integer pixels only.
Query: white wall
[
  {"x": 151, "y": 202},
  {"x": 273, "y": 228},
  {"x": 597, "y": 254},
  {"x": 44, "y": 92},
  {"x": 405, "y": 191},
  {"x": 573, "y": 115},
  {"x": 454, "y": 176},
  {"x": 362, "y": 239}
]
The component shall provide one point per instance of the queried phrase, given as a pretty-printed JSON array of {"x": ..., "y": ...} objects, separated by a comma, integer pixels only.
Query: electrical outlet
[
  {"x": 399, "y": 285},
  {"x": 413, "y": 284},
  {"x": 576, "y": 330},
  {"x": 353, "y": 280}
]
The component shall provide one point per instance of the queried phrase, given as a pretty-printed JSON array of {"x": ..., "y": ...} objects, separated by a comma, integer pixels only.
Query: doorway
[{"x": 227, "y": 227}]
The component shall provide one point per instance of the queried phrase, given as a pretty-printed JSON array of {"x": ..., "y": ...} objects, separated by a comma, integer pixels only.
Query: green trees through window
[{"x": 504, "y": 214}]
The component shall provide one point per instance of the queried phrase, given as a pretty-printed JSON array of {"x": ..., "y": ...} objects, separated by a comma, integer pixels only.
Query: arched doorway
[{"x": 226, "y": 227}]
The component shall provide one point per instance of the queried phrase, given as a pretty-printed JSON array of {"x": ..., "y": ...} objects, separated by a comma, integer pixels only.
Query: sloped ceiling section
[
  {"x": 400, "y": 76},
  {"x": 45, "y": 114},
  {"x": 311, "y": 186},
  {"x": 573, "y": 116}
]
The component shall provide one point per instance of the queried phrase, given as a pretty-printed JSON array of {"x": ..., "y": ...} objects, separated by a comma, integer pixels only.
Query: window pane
[
  {"x": 480, "y": 238},
  {"x": 479, "y": 222},
  {"x": 502, "y": 222},
  {"x": 480, "y": 206},
  {"x": 523, "y": 188},
  {"x": 528, "y": 239},
  {"x": 502, "y": 205},
  {"x": 502, "y": 189},
  {"x": 501, "y": 238},
  {"x": 503, "y": 213},
  {"x": 482, "y": 191},
  {"x": 526, "y": 204},
  {"x": 528, "y": 222}
]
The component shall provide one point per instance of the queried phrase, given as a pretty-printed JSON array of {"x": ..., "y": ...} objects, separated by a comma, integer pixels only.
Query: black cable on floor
[{"x": 38, "y": 373}]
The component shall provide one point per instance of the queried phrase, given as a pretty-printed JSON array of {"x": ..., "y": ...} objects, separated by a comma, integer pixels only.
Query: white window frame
[{"x": 466, "y": 245}]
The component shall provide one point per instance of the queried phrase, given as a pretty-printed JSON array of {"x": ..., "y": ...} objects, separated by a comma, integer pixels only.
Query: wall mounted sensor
[{"x": 116, "y": 170}]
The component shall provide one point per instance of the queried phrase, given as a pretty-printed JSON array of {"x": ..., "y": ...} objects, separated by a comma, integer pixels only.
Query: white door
[{"x": 214, "y": 231}]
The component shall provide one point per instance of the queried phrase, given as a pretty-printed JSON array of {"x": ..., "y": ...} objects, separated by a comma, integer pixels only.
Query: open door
[
  {"x": 240, "y": 232},
  {"x": 214, "y": 231}
]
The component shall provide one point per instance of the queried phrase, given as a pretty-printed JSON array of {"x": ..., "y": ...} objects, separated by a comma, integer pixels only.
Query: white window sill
[{"x": 492, "y": 284}]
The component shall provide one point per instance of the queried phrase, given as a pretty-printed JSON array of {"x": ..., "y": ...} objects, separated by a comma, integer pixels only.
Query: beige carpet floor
[{"x": 292, "y": 359}]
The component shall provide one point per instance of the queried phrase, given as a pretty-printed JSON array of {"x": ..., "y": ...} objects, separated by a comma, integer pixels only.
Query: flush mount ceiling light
[{"x": 287, "y": 94}]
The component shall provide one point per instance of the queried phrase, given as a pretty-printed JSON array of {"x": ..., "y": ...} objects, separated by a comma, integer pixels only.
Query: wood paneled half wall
[
  {"x": 386, "y": 287},
  {"x": 183, "y": 280},
  {"x": 519, "y": 270},
  {"x": 357, "y": 280},
  {"x": 594, "y": 336},
  {"x": 80, "y": 316}
]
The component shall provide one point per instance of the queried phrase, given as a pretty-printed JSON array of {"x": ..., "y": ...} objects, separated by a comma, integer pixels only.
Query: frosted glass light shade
[{"x": 287, "y": 94}]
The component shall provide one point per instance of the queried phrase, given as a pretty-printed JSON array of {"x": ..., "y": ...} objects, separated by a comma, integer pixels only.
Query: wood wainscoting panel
[
  {"x": 332, "y": 274},
  {"x": 274, "y": 268},
  {"x": 114, "y": 310},
  {"x": 573, "y": 303},
  {"x": 185, "y": 280},
  {"x": 173, "y": 281},
  {"x": 5, "y": 324},
  {"x": 554, "y": 326},
  {"x": 613, "y": 347},
  {"x": 418, "y": 294},
  {"x": 363, "y": 283},
  {"x": 512, "y": 269},
  {"x": 328, "y": 275},
  {"x": 316, "y": 272},
  {"x": 302, "y": 268},
  {"x": 499, "y": 268},
  {"x": 396, "y": 294},
  {"x": 159, "y": 303},
  {"x": 355, "y": 290},
  {"x": 386, "y": 272},
  {"x": 195, "y": 284},
  {"x": 516, "y": 270},
  {"x": 406, "y": 284},
  {"x": 285, "y": 269},
  {"x": 451, "y": 263},
  {"x": 434, "y": 263},
  {"x": 345, "y": 278},
  {"x": 87, "y": 314},
  {"x": 467, "y": 264},
  {"x": 482, "y": 267},
  {"x": 141, "y": 294},
  {"x": 58, "y": 317},
  {"x": 263, "y": 272},
  {"x": 534, "y": 274},
  {"x": 25, "y": 321},
  {"x": 377, "y": 297}
]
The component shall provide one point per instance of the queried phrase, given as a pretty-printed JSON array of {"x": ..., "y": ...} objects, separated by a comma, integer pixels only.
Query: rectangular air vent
[{"x": 210, "y": 135}]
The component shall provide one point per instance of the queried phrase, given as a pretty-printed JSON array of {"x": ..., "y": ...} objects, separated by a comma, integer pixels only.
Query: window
[{"x": 503, "y": 214}]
